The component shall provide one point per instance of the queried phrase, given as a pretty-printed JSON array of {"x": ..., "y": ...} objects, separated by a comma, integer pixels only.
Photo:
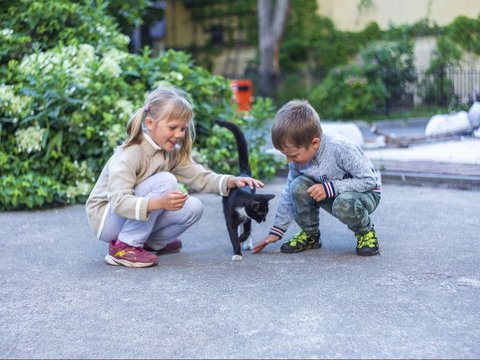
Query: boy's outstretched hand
[{"x": 267, "y": 240}]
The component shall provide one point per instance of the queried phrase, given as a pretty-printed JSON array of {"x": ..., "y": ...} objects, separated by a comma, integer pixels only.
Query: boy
[{"x": 325, "y": 171}]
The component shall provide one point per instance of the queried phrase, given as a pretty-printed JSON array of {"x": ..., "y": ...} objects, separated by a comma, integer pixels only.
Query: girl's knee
[
  {"x": 158, "y": 183},
  {"x": 195, "y": 209},
  {"x": 165, "y": 180}
]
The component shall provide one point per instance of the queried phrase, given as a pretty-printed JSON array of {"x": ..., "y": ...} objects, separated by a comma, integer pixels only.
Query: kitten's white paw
[
  {"x": 248, "y": 244},
  {"x": 237, "y": 257}
]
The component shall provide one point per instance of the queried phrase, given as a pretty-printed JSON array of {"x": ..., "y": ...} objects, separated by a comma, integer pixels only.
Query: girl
[{"x": 135, "y": 205}]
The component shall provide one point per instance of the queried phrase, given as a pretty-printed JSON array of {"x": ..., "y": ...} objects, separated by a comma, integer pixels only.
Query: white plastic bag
[
  {"x": 443, "y": 124},
  {"x": 474, "y": 115}
]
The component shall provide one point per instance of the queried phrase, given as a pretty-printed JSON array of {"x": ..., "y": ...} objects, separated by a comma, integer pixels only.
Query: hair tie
[{"x": 146, "y": 109}]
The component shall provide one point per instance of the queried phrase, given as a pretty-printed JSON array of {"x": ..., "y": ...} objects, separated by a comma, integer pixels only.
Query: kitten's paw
[
  {"x": 237, "y": 257},
  {"x": 248, "y": 244}
]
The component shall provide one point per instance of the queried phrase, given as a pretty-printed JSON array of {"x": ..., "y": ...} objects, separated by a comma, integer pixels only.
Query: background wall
[{"x": 348, "y": 15}]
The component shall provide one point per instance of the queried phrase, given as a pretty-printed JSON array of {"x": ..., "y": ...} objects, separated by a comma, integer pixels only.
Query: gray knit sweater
[{"x": 340, "y": 165}]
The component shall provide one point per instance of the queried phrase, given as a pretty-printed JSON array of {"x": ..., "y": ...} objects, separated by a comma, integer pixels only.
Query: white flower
[
  {"x": 110, "y": 66},
  {"x": 125, "y": 108},
  {"x": 30, "y": 139},
  {"x": 6, "y": 33},
  {"x": 115, "y": 135},
  {"x": 115, "y": 54},
  {"x": 12, "y": 105}
]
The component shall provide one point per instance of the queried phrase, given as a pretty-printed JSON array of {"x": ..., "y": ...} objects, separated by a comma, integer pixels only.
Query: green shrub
[
  {"x": 466, "y": 33},
  {"x": 29, "y": 191},
  {"x": 43, "y": 24},
  {"x": 220, "y": 152},
  {"x": 68, "y": 89},
  {"x": 349, "y": 91},
  {"x": 395, "y": 67},
  {"x": 64, "y": 110}
]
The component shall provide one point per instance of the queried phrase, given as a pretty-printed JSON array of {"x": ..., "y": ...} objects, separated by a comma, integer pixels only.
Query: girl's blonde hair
[
  {"x": 296, "y": 123},
  {"x": 164, "y": 104}
]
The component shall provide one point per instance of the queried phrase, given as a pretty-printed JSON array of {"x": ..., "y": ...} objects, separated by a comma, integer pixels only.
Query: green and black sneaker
[
  {"x": 300, "y": 242},
  {"x": 367, "y": 244}
]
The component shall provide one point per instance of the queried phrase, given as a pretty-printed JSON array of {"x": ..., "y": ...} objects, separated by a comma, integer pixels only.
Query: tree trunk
[{"x": 271, "y": 24}]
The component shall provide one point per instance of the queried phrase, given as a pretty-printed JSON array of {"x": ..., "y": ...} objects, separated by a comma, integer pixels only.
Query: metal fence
[{"x": 450, "y": 87}]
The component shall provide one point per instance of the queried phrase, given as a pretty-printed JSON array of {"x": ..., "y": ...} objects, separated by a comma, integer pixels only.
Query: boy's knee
[
  {"x": 299, "y": 186},
  {"x": 345, "y": 206}
]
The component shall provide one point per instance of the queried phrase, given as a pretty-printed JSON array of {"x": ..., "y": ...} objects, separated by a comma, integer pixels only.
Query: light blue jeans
[
  {"x": 351, "y": 208},
  {"x": 162, "y": 226}
]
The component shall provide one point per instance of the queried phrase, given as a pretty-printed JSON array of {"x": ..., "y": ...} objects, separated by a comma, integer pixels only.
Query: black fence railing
[
  {"x": 452, "y": 87},
  {"x": 449, "y": 87}
]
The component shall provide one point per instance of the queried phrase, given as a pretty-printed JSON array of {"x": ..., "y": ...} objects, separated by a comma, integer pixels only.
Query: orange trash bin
[{"x": 242, "y": 94}]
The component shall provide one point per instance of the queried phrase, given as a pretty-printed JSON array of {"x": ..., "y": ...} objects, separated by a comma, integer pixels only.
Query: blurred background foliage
[{"x": 69, "y": 87}]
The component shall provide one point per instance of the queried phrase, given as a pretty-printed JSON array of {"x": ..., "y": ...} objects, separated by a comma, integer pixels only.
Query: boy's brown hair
[{"x": 296, "y": 123}]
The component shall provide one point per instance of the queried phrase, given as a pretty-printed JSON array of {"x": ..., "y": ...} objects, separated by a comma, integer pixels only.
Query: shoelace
[
  {"x": 300, "y": 237},
  {"x": 367, "y": 239}
]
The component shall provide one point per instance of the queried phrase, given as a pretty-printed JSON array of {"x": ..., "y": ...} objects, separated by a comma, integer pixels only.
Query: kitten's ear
[{"x": 267, "y": 197}]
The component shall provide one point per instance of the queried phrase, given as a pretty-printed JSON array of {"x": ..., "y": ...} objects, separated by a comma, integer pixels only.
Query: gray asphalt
[{"x": 419, "y": 299}]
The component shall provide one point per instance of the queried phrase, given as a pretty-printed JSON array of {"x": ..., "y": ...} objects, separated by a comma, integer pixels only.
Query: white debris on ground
[{"x": 458, "y": 122}]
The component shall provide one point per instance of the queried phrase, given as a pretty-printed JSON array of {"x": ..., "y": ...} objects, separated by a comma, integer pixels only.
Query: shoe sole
[
  {"x": 372, "y": 253},
  {"x": 292, "y": 251},
  {"x": 110, "y": 260},
  {"x": 159, "y": 252}
]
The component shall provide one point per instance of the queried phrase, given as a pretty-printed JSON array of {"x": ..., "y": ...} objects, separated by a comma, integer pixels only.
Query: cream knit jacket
[{"x": 130, "y": 166}]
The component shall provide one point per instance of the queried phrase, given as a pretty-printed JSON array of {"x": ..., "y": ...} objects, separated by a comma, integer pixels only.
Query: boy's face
[{"x": 301, "y": 155}]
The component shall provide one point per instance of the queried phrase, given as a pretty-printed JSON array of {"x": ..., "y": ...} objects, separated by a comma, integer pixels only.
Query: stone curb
[{"x": 460, "y": 182}]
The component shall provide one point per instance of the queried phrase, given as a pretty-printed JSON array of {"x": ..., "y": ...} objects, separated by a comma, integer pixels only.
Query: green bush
[
  {"x": 68, "y": 89},
  {"x": 65, "y": 110},
  {"x": 220, "y": 152},
  {"x": 349, "y": 91},
  {"x": 42, "y": 24},
  {"x": 395, "y": 67},
  {"x": 466, "y": 33},
  {"x": 435, "y": 86}
]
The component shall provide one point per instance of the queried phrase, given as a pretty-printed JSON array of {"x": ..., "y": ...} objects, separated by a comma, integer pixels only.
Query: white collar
[{"x": 151, "y": 141}]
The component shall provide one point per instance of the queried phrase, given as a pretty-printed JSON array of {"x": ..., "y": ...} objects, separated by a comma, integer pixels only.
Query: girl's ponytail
[{"x": 134, "y": 128}]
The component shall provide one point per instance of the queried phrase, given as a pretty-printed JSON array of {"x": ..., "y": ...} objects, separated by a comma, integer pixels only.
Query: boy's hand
[
  {"x": 240, "y": 181},
  {"x": 317, "y": 192},
  {"x": 267, "y": 240}
]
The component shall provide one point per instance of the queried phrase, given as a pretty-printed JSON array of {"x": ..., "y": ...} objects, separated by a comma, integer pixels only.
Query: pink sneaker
[
  {"x": 172, "y": 247},
  {"x": 120, "y": 253}
]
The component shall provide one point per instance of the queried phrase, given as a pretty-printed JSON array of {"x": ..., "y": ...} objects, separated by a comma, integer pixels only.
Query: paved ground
[{"x": 418, "y": 299}]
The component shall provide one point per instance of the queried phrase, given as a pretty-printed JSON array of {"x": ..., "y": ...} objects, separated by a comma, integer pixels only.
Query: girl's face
[{"x": 167, "y": 134}]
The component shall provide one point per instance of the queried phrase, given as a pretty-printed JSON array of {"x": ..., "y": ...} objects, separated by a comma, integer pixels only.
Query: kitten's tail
[{"x": 242, "y": 146}]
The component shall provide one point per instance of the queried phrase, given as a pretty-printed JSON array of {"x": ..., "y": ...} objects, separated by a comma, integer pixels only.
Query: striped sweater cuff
[
  {"x": 329, "y": 189},
  {"x": 277, "y": 232}
]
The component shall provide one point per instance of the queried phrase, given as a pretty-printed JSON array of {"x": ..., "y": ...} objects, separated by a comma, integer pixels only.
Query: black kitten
[{"x": 242, "y": 204}]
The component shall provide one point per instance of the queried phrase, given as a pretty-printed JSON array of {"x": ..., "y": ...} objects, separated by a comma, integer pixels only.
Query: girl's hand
[
  {"x": 172, "y": 201},
  {"x": 267, "y": 240},
  {"x": 241, "y": 181},
  {"x": 317, "y": 192}
]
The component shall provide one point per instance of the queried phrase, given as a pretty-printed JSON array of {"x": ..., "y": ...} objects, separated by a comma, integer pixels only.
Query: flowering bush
[
  {"x": 68, "y": 86},
  {"x": 65, "y": 110}
]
